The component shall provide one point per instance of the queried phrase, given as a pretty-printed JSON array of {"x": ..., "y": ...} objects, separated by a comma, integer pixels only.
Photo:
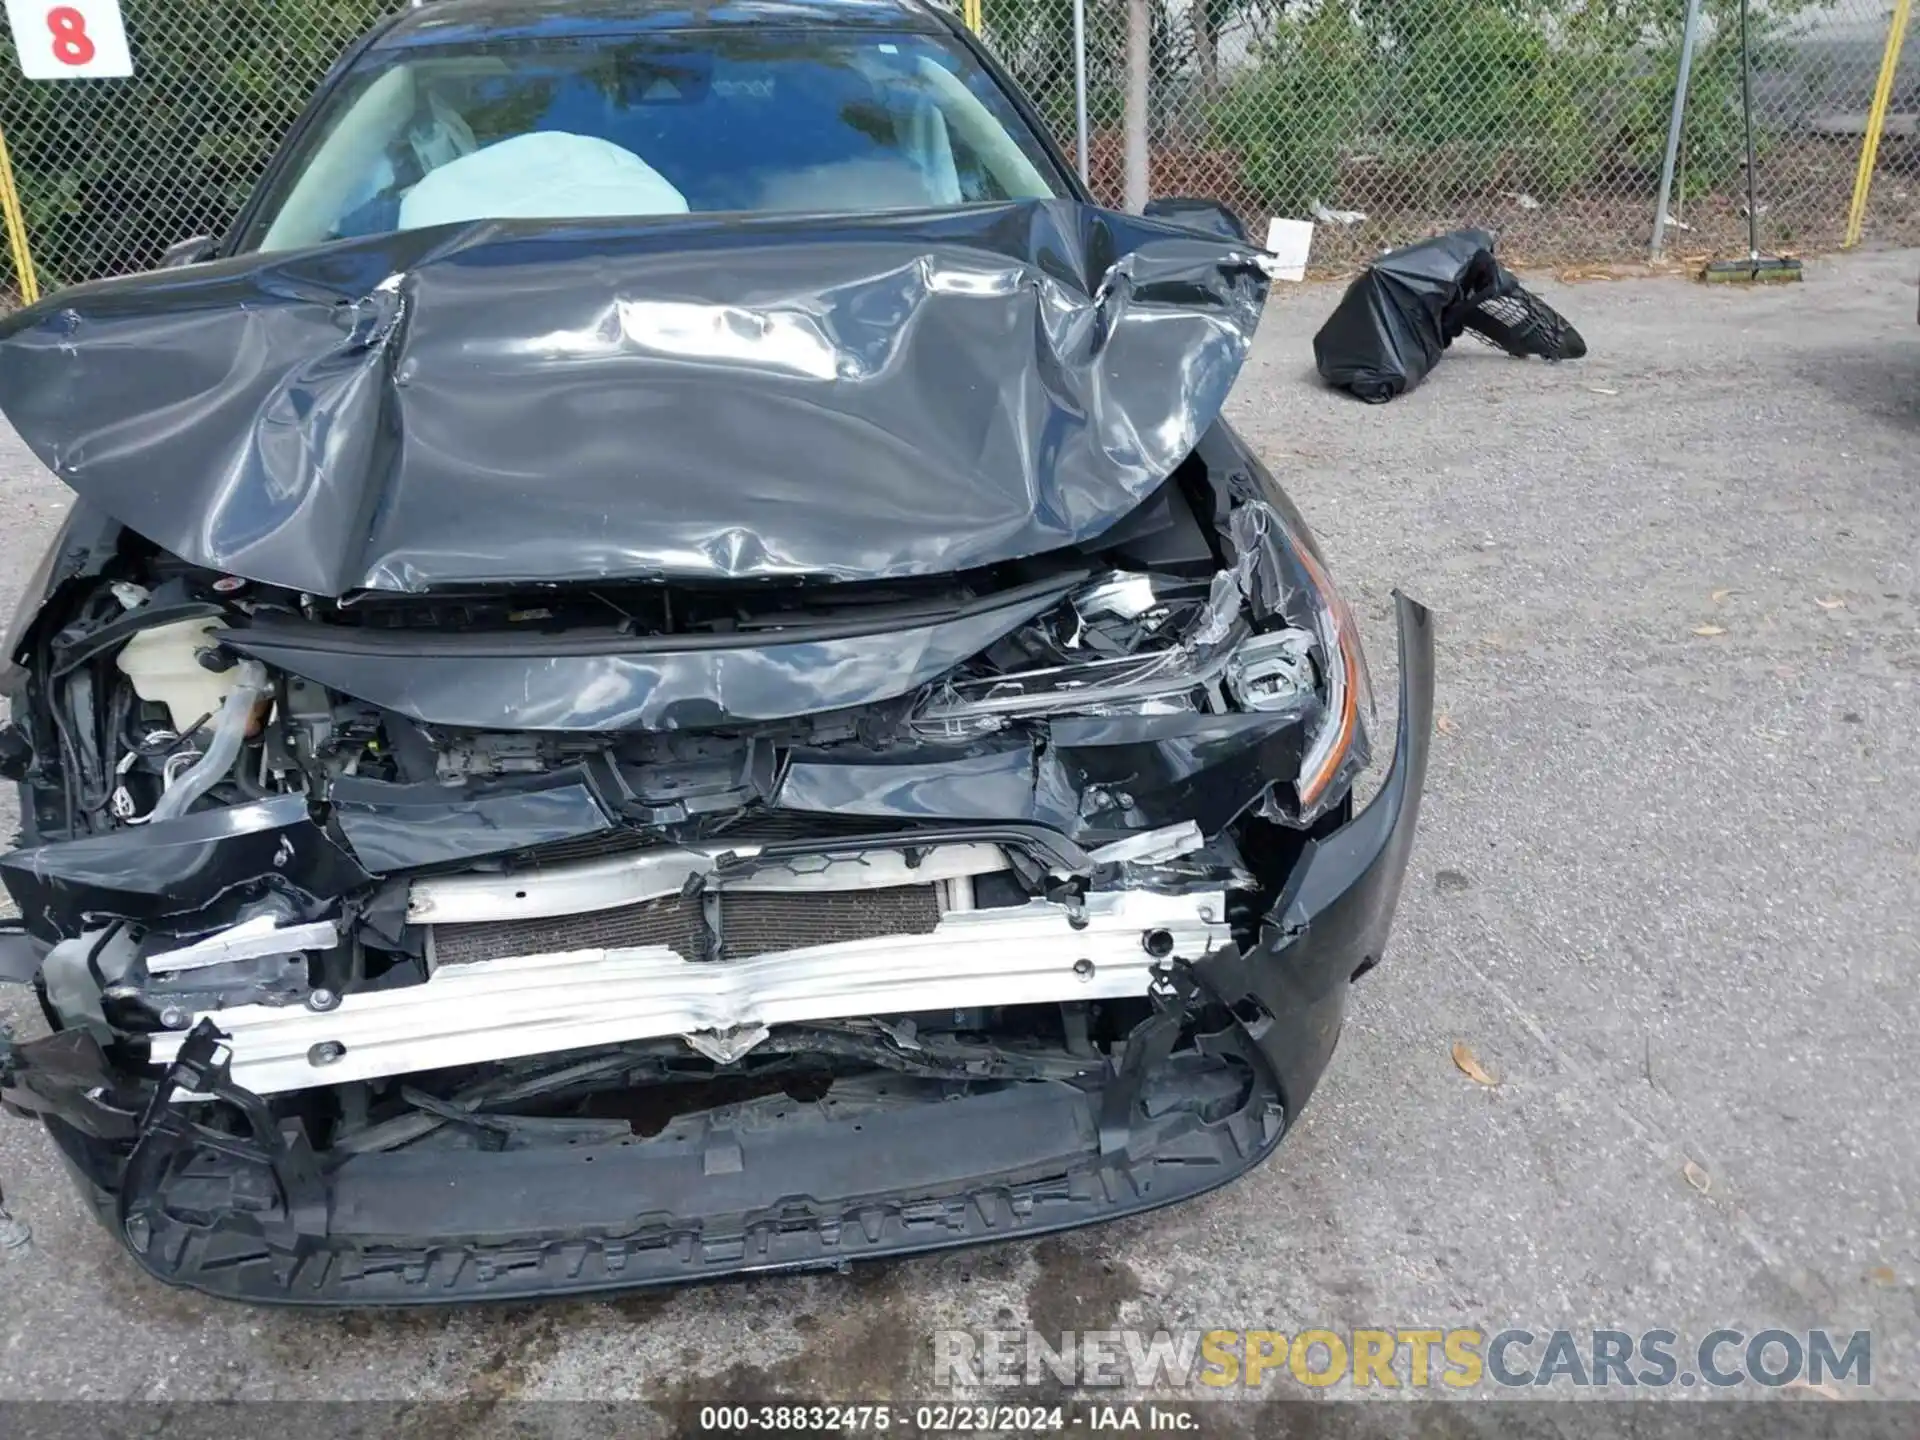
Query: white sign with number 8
[{"x": 69, "y": 39}]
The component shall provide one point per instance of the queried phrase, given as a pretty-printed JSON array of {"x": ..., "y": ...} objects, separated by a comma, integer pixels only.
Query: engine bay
[{"x": 976, "y": 876}]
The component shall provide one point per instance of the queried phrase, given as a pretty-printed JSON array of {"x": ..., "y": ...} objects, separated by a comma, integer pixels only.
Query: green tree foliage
[
  {"x": 1289, "y": 116},
  {"x": 1479, "y": 96},
  {"x": 1442, "y": 99}
]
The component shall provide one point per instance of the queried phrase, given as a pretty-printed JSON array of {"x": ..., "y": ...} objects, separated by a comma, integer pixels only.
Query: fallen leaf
[
  {"x": 1720, "y": 595},
  {"x": 1697, "y": 1178},
  {"x": 1469, "y": 1065},
  {"x": 1823, "y": 1390},
  {"x": 1883, "y": 1275},
  {"x": 1832, "y": 602},
  {"x": 1446, "y": 726},
  {"x": 1709, "y": 629}
]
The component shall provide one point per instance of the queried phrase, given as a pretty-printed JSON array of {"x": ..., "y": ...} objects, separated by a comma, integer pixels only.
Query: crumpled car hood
[{"x": 843, "y": 397}]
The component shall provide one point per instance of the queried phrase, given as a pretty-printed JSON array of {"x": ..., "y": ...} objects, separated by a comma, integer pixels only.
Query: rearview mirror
[{"x": 1198, "y": 213}]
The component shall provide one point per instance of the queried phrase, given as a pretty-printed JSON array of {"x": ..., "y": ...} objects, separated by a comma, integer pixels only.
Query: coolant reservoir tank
[{"x": 160, "y": 665}]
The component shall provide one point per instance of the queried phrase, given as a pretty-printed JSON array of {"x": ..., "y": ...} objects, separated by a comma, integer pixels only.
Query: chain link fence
[
  {"x": 111, "y": 172},
  {"x": 1544, "y": 120}
]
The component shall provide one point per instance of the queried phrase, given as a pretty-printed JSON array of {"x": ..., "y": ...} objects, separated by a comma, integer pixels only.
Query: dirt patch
[
  {"x": 130, "y": 1291},
  {"x": 515, "y": 1348},
  {"x": 639, "y": 1307},
  {"x": 871, "y": 1344},
  {"x": 303, "y": 1341},
  {"x": 1078, "y": 1288}
]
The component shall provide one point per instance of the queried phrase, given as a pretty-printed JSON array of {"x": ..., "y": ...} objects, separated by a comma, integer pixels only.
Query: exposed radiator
[{"x": 750, "y": 924}]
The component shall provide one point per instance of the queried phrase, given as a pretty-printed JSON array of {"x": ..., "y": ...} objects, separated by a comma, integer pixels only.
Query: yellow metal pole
[
  {"x": 16, "y": 229},
  {"x": 1876, "y": 121},
  {"x": 970, "y": 14}
]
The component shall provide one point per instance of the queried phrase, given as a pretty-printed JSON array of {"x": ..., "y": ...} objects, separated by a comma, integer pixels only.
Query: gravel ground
[{"x": 1665, "y": 890}]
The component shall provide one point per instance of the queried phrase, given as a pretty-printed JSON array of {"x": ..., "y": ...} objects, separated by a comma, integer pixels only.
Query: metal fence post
[
  {"x": 1690, "y": 33},
  {"x": 1134, "y": 112},
  {"x": 1080, "y": 86}
]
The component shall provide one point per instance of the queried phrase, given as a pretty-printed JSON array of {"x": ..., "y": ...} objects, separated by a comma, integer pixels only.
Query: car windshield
[{"x": 660, "y": 124}]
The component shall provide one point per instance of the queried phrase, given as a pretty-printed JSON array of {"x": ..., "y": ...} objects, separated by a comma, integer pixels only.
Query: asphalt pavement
[{"x": 1665, "y": 892}]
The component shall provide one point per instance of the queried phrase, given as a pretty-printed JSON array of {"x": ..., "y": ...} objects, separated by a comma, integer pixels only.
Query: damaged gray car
[{"x": 664, "y": 666}]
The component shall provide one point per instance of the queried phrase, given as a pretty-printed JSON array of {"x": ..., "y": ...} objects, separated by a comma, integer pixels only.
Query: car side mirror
[
  {"x": 190, "y": 251},
  {"x": 1198, "y": 213}
]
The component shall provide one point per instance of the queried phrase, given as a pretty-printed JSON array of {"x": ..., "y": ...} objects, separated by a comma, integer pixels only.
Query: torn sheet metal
[
  {"x": 402, "y": 827},
  {"x": 1253, "y": 575},
  {"x": 260, "y": 937},
  {"x": 628, "y": 683},
  {"x": 697, "y": 398},
  {"x": 1152, "y": 847},
  {"x": 1098, "y": 777},
  {"x": 990, "y": 781},
  {"x": 1133, "y": 772},
  {"x": 204, "y": 866},
  {"x": 1075, "y": 676}
]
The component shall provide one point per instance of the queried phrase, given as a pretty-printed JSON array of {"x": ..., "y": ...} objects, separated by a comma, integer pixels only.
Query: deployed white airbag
[{"x": 545, "y": 175}]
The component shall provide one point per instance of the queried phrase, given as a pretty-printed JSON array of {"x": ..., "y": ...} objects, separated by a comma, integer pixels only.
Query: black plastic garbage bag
[
  {"x": 1400, "y": 315},
  {"x": 1521, "y": 323}
]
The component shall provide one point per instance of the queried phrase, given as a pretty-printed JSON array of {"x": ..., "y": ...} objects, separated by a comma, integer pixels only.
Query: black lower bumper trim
[{"x": 246, "y": 1218}]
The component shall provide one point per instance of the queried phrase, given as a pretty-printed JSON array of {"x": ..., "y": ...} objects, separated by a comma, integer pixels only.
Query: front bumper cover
[{"x": 259, "y": 1218}]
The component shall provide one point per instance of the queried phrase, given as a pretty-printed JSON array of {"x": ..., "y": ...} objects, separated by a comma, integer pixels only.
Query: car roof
[{"x": 444, "y": 22}]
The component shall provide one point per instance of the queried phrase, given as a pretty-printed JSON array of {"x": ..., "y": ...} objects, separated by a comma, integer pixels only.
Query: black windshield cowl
[
  {"x": 275, "y": 631},
  {"x": 636, "y": 618}
]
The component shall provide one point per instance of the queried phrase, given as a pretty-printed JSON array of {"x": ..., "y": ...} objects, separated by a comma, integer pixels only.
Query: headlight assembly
[
  {"x": 1177, "y": 679},
  {"x": 1268, "y": 634},
  {"x": 1346, "y": 683},
  {"x": 1285, "y": 560}
]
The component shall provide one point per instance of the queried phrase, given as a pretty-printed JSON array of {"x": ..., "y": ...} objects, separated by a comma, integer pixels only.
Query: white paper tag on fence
[
  {"x": 69, "y": 39},
  {"x": 1289, "y": 241}
]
